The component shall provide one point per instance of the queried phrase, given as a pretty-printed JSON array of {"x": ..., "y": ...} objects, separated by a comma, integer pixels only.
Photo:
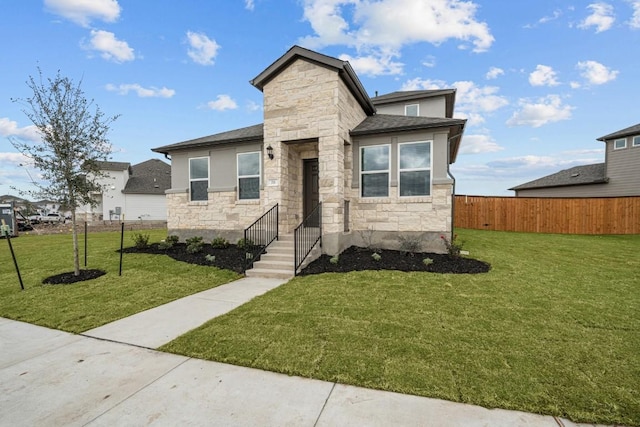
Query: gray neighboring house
[
  {"x": 131, "y": 192},
  {"x": 618, "y": 176},
  {"x": 379, "y": 166}
]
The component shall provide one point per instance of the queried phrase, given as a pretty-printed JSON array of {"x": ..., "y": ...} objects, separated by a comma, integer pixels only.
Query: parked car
[
  {"x": 34, "y": 219},
  {"x": 52, "y": 218}
]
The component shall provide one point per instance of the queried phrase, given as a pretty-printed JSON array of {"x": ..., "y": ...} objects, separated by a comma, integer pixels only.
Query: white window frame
[
  {"x": 199, "y": 179},
  {"x": 387, "y": 171},
  {"x": 259, "y": 175},
  {"x": 430, "y": 168},
  {"x": 636, "y": 141},
  {"x": 412, "y": 105},
  {"x": 615, "y": 144}
]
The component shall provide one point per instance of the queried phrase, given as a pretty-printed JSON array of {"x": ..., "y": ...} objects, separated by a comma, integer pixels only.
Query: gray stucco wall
[{"x": 431, "y": 107}]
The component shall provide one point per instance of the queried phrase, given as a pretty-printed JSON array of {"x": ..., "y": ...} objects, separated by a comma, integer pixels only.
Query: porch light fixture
[{"x": 270, "y": 152}]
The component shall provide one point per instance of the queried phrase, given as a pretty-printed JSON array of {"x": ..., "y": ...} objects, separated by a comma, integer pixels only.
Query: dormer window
[
  {"x": 619, "y": 144},
  {"x": 412, "y": 110},
  {"x": 636, "y": 141}
]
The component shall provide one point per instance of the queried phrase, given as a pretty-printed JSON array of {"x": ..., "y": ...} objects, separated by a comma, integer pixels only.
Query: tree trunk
[{"x": 76, "y": 255}]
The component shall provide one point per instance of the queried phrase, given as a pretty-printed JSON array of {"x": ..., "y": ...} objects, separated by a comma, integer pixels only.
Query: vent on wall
[{"x": 573, "y": 175}]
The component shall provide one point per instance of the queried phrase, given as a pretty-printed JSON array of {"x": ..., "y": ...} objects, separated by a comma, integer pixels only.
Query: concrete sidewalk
[
  {"x": 52, "y": 378},
  {"x": 158, "y": 326}
]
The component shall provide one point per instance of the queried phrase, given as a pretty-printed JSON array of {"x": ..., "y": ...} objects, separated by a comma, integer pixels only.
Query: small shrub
[
  {"x": 173, "y": 239},
  {"x": 210, "y": 258},
  {"x": 244, "y": 243},
  {"x": 140, "y": 240},
  {"x": 194, "y": 244},
  {"x": 334, "y": 259},
  {"x": 453, "y": 246},
  {"x": 165, "y": 244},
  {"x": 409, "y": 244},
  {"x": 427, "y": 261},
  {"x": 376, "y": 256},
  {"x": 220, "y": 243}
]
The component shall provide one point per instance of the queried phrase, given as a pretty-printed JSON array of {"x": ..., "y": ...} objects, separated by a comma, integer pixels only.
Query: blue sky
[{"x": 538, "y": 81}]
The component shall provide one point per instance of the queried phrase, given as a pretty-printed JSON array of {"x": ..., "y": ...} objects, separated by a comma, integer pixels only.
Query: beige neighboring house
[
  {"x": 618, "y": 176},
  {"x": 130, "y": 193},
  {"x": 375, "y": 168}
]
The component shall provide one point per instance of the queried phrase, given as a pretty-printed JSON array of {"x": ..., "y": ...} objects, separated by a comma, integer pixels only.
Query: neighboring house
[
  {"x": 379, "y": 166},
  {"x": 618, "y": 176},
  {"x": 130, "y": 192}
]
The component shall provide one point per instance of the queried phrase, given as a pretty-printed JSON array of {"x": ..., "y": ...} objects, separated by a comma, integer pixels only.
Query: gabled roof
[
  {"x": 415, "y": 95},
  {"x": 631, "y": 130},
  {"x": 578, "y": 175},
  {"x": 342, "y": 67},
  {"x": 385, "y": 123},
  {"x": 113, "y": 166},
  {"x": 150, "y": 177},
  {"x": 247, "y": 134}
]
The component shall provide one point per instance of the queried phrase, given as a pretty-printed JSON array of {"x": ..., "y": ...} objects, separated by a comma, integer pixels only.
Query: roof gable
[
  {"x": 578, "y": 175},
  {"x": 150, "y": 177},
  {"x": 343, "y": 68},
  {"x": 416, "y": 95},
  {"x": 247, "y": 134},
  {"x": 631, "y": 130}
]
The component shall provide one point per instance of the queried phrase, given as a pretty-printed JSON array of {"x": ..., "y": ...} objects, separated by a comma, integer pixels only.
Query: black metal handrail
[
  {"x": 259, "y": 235},
  {"x": 306, "y": 235}
]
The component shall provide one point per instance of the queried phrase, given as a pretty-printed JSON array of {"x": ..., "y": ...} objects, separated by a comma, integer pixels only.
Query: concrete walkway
[{"x": 53, "y": 378}]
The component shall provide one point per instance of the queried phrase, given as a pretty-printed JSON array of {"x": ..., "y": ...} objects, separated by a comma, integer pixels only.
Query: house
[
  {"x": 376, "y": 168},
  {"x": 618, "y": 176},
  {"x": 130, "y": 192}
]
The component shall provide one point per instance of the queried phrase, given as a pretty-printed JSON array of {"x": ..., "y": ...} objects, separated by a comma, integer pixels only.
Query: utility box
[{"x": 8, "y": 216}]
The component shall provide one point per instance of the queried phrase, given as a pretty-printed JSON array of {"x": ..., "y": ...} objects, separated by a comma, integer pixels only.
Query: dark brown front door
[{"x": 311, "y": 195}]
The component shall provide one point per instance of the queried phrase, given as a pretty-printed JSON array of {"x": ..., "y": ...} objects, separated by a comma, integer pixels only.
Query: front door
[{"x": 310, "y": 193}]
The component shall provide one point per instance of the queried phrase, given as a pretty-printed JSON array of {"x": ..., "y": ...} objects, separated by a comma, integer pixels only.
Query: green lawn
[
  {"x": 147, "y": 281},
  {"x": 553, "y": 328}
]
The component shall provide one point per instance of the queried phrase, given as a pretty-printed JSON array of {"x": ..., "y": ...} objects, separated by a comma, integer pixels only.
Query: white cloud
[
  {"x": 541, "y": 112},
  {"x": 429, "y": 61},
  {"x": 595, "y": 73},
  {"x": 602, "y": 17},
  {"x": 249, "y": 4},
  {"x": 478, "y": 144},
  {"x": 16, "y": 159},
  {"x": 494, "y": 73},
  {"x": 634, "y": 22},
  {"x": 110, "y": 47},
  {"x": 472, "y": 101},
  {"x": 10, "y": 128},
  {"x": 222, "y": 102},
  {"x": 388, "y": 25},
  {"x": 82, "y": 12},
  {"x": 548, "y": 18},
  {"x": 543, "y": 76},
  {"x": 575, "y": 85},
  {"x": 151, "y": 92},
  {"x": 203, "y": 50},
  {"x": 253, "y": 106},
  {"x": 374, "y": 65}
]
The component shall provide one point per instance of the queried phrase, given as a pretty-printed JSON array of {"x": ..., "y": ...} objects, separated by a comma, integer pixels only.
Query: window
[
  {"x": 636, "y": 141},
  {"x": 414, "y": 169},
  {"x": 249, "y": 176},
  {"x": 619, "y": 144},
  {"x": 374, "y": 171},
  {"x": 198, "y": 178},
  {"x": 412, "y": 110}
]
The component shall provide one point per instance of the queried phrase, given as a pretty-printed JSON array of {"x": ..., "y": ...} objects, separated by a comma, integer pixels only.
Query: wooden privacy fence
[{"x": 610, "y": 215}]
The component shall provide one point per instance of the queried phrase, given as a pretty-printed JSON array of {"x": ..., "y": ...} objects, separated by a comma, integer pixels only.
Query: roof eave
[
  {"x": 186, "y": 145},
  {"x": 574, "y": 184}
]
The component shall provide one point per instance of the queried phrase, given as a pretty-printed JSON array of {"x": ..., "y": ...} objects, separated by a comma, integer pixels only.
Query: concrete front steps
[{"x": 278, "y": 262}]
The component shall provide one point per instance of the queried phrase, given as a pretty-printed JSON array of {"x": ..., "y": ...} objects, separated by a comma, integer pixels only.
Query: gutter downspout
[{"x": 453, "y": 191}]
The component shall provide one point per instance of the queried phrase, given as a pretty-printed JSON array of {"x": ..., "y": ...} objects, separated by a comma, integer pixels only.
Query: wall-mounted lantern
[{"x": 270, "y": 152}]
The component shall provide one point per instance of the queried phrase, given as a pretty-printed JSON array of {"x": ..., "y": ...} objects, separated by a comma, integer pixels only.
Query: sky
[{"x": 538, "y": 81}]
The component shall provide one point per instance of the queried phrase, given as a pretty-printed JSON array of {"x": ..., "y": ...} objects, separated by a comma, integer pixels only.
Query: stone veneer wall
[{"x": 221, "y": 216}]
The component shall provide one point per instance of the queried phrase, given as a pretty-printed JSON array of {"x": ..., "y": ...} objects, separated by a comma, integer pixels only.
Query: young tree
[{"x": 73, "y": 140}]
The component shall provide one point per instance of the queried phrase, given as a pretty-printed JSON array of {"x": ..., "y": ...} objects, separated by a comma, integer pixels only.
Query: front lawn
[
  {"x": 553, "y": 328},
  {"x": 147, "y": 281}
]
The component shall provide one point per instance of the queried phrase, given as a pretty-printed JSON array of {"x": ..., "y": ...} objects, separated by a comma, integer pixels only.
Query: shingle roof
[
  {"x": 631, "y": 130},
  {"x": 113, "y": 166},
  {"x": 246, "y": 134},
  {"x": 150, "y": 177},
  {"x": 384, "y": 123},
  {"x": 578, "y": 175}
]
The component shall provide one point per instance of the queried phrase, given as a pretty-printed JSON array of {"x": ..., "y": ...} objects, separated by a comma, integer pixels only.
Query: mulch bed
[
  {"x": 70, "y": 277},
  {"x": 359, "y": 259}
]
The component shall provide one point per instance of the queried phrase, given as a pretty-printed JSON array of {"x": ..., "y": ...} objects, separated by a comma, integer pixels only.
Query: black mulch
[
  {"x": 352, "y": 259},
  {"x": 70, "y": 277},
  {"x": 358, "y": 259},
  {"x": 231, "y": 257}
]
